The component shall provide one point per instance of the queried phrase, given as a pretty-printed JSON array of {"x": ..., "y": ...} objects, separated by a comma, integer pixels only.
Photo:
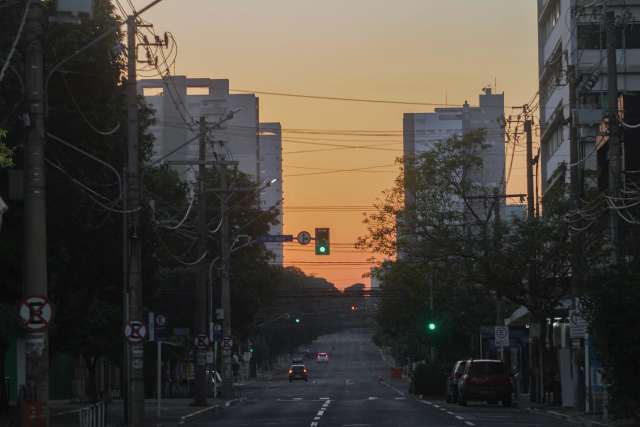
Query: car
[
  {"x": 298, "y": 372},
  {"x": 485, "y": 379},
  {"x": 452, "y": 381},
  {"x": 322, "y": 357}
]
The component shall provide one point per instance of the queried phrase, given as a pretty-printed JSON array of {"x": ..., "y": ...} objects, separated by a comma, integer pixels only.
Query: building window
[
  {"x": 551, "y": 19},
  {"x": 594, "y": 36},
  {"x": 632, "y": 36},
  {"x": 552, "y": 77},
  {"x": 553, "y": 142}
]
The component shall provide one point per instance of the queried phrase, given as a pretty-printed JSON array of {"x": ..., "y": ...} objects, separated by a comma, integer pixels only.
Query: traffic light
[
  {"x": 297, "y": 320},
  {"x": 322, "y": 241},
  {"x": 432, "y": 326},
  {"x": 353, "y": 307}
]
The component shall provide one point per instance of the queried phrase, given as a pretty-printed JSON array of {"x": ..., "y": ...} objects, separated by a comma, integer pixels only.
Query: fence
[{"x": 89, "y": 416}]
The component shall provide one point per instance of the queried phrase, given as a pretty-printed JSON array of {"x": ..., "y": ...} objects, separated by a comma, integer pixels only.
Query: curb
[
  {"x": 215, "y": 408},
  {"x": 569, "y": 418}
]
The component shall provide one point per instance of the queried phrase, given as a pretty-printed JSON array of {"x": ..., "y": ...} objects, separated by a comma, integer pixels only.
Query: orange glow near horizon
[{"x": 417, "y": 50}]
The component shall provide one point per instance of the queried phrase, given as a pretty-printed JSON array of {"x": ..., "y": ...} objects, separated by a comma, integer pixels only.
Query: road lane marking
[
  {"x": 320, "y": 413},
  {"x": 450, "y": 413},
  {"x": 459, "y": 417},
  {"x": 436, "y": 406},
  {"x": 372, "y": 398},
  {"x": 469, "y": 423},
  {"x": 297, "y": 398}
]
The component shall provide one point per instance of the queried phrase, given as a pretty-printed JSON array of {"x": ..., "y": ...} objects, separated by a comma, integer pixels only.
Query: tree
[{"x": 450, "y": 238}]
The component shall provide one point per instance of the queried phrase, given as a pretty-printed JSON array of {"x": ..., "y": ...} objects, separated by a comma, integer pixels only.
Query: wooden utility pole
[{"x": 136, "y": 349}]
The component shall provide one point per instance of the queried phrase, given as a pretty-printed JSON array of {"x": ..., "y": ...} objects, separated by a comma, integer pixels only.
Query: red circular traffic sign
[
  {"x": 35, "y": 313},
  {"x": 135, "y": 331}
]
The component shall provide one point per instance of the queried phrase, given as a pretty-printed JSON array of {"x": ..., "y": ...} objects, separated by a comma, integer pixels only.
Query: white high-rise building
[
  {"x": 179, "y": 102},
  {"x": 422, "y": 130},
  {"x": 572, "y": 35},
  {"x": 271, "y": 169}
]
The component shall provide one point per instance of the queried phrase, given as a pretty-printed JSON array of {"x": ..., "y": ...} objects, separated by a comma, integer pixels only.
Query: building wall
[
  {"x": 179, "y": 99},
  {"x": 569, "y": 35},
  {"x": 271, "y": 168},
  {"x": 237, "y": 138}
]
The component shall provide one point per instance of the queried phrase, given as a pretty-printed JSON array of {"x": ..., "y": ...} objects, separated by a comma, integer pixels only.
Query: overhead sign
[
  {"x": 227, "y": 343},
  {"x": 501, "y": 336},
  {"x": 35, "y": 313},
  {"x": 304, "y": 237},
  {"x": 275, "y": 238},
  {"x": 201, "y": 341},
  {"x": 135, "y": 331}
]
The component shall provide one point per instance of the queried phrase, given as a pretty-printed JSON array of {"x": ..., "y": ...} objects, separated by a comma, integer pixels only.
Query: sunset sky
[{"x": 413, "y": 50}]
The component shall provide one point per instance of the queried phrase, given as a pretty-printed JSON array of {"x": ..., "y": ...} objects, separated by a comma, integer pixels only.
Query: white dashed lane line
[
  {"x": 320, "y": 413},
  {"x": 453, "y": 414}
]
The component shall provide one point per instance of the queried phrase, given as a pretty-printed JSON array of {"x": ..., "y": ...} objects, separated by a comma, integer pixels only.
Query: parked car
[
  {"x": 485, "y": 379},
  {"x": 298, "y": 372},
  {"x": 452, "y": 381},
  {"x": 322, "y": 358}
]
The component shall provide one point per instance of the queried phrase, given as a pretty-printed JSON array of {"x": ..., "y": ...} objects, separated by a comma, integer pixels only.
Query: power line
[{"x": 346, "y": 99}]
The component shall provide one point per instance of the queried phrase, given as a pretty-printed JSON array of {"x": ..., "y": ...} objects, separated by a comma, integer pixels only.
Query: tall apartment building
[
  {"x": 572, "y": 63},
  {"x": 179, "y": 99},
  {"x": 422, "y": 130},
  {"x": 572, "y": 36},
  {"x": 271, "y": 168}
]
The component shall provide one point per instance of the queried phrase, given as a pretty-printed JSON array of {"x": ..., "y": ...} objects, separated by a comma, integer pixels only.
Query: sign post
[{"x": 501, "y": 334}]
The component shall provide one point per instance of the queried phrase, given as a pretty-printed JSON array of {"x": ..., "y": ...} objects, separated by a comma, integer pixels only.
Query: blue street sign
[{"x": 275, "y": 238}]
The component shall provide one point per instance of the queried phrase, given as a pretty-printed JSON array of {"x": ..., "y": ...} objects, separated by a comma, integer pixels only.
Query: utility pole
[
  {"x": 530, "y": 194},
  {"x": 614, "y": 138},
  {"x": 535, "y": 374},
  {"x": 225, "y": 251},
  {"x": 200, "y": 321},
  {"x": 35, "y": 227},
  {"x": 136, "y": 350}
]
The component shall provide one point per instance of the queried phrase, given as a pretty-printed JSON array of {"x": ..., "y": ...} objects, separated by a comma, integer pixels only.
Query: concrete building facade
[
  {"x": 179, "y": 102},
  {"x": 572, "y": 35},
  {"x": 422, "y": 130}
]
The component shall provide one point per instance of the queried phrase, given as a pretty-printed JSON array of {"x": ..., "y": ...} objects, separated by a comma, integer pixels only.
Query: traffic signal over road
[
  {"x": 322, "y": 241},
  {"x": 297, "y": 320},
  {"x": 432, "y": 326}
]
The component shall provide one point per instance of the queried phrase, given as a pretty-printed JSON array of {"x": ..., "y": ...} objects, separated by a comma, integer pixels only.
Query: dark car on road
[
  {"x": 452, "y": 381},
  {"x": 298, "y": 372},
  {"x": 485, "y": 379}
]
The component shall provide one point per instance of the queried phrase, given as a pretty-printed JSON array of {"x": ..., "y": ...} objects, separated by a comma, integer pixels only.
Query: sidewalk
[
  {"x": 172, "y": 412},
  {"x": 571, "y": 415}
]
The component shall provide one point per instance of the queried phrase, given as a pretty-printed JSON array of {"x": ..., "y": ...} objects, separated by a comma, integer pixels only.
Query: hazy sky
[{"x": 418, "y": 50}]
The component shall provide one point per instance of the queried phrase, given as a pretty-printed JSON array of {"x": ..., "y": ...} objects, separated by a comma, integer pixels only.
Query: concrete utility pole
[
  {"x": 201, "y": 316},
  {"x": 35, "y": 226},
  {"x": 225, "y": 251},
  {"x": 614, "y": 138},
  {"x": 136, "y": 350},
  {"x": 530, "y": 194}
]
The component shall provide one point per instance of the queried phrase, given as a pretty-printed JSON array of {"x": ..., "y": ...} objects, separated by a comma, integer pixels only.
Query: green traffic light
[
  {"x": 431, "y": 326},
  {"x": 297, "y": 320},
  {"x": 322, "y": 249}
]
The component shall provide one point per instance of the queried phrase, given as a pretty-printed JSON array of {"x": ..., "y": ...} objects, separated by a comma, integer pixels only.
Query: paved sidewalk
[{"x": 172, "y": 412}]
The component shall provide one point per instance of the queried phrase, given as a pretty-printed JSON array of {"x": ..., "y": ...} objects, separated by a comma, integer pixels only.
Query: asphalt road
[{"x": 346, "y": 392}]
